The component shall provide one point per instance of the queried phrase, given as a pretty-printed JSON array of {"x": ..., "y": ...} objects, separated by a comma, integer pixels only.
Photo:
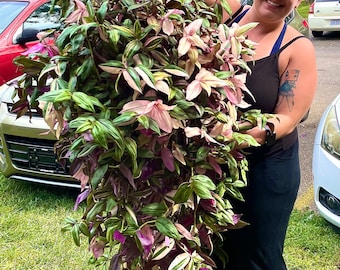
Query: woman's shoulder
[
  {"x": 292, "y": 34},
  {"x": 298, "y": 40}
]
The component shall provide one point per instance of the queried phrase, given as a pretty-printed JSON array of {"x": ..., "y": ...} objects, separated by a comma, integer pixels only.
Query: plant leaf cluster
[{"x": 144, "y": 100}]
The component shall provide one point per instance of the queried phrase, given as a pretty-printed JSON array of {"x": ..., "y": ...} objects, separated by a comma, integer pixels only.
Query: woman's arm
[
  {"x": 298, "y": 86},
  {"x": 297, "y": 89}
]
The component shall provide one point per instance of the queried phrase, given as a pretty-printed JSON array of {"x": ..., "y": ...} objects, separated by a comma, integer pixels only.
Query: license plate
[{"x": 335, "y": 22}]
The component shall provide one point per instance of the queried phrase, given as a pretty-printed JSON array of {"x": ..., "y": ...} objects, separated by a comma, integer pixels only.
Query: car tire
[{"x": 317, "y": 33}]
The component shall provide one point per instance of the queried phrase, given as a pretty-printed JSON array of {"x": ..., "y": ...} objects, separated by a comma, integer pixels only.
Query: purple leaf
[
  {"x": 81, "y": 197},
  {"x": 117, "y": 235},
  {"x": 168, "y": 159}
]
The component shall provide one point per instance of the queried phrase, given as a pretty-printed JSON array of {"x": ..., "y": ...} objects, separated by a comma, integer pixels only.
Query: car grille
[{"x": 34, "y": 154}]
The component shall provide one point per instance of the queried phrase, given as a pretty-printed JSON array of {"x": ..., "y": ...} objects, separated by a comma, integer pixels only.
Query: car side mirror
[{"x": 27, "y": 35}]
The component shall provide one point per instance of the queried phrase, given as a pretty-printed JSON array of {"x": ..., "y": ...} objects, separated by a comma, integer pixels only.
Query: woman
[{"x": 283, "y": 81}]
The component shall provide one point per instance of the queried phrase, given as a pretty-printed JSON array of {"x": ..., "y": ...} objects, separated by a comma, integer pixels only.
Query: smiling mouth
[{"x": 273, "y": 4}]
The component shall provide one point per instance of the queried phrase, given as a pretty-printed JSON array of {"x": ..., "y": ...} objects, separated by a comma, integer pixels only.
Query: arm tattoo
[{"x": 286, "y": 89}]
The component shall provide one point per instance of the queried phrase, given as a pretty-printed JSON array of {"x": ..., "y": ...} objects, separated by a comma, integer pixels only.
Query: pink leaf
[{"x": 193, "y": 90}]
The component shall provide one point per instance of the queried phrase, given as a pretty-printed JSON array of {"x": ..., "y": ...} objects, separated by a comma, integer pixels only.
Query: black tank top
[{"x": 264, "y": 84}]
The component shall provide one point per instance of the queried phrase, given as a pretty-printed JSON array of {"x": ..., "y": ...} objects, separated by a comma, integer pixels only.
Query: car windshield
[{"x": 9, "y": 11}]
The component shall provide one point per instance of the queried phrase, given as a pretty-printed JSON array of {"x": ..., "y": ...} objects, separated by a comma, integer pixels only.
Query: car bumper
[
  {"x": 326, "y": 184},
  {"x": 323, "y": 24}
]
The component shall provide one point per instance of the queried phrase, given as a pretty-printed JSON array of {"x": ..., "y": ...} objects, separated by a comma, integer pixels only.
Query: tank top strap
[
  {"x": 278, "y": 42},
  {"x": 290, "y": 42},
  {"x": 237, "y": 16}
]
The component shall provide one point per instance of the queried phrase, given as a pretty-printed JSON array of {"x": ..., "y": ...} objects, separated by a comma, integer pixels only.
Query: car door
[{"x": 21, "y": 33}]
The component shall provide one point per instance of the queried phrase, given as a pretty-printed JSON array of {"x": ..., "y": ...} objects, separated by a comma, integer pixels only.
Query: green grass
[
  {"x": 304, "y": 9},
  {"x": 311, "y": 243},
  {"x": 31, "y": 217}
]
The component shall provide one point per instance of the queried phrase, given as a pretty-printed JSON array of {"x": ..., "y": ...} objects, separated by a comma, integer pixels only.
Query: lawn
[
  {"x": 31, "y": 218},
  {"x": 304, "y": 9}
]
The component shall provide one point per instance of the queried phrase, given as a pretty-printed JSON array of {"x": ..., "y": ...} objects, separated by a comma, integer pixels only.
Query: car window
[
  {"x": 43, "y": 19},
  {"x": 9, "y": 11}
]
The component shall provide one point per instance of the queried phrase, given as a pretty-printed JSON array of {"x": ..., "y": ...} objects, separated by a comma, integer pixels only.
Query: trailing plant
[{"x": 143, "y": 97}]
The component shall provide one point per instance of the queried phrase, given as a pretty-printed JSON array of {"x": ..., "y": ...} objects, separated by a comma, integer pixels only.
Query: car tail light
[
  {"x": 311, "y": 8},
  {"x": 305, "y": 23},
  {"x": 331, "y": 134}
]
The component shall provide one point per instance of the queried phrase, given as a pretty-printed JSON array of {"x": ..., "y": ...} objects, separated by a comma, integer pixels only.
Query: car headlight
[{"x": 330, "y": 140}]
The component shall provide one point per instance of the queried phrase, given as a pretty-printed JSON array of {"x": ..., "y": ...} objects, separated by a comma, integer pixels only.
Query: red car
[{"x": 20, "y": 21}]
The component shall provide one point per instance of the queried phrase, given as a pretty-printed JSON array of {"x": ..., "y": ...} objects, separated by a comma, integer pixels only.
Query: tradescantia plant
[{"x": 144, "y": 99}]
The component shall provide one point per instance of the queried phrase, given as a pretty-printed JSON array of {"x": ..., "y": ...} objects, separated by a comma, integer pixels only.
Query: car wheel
[{"x": 317, "y": 33}]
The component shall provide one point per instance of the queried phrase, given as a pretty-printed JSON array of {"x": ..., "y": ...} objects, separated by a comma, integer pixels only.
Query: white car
[
  {"x": 326, "y": 164},
  {"x": 324, "y": 15}
]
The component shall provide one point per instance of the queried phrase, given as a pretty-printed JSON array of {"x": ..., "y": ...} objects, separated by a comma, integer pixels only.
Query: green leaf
[
  {"x": 166, "y": 227},
  {"x": 154, "y": 209},
  {"x": 86, "y": 68},
  {"x": 175, "y": 70},
  {"x": 124, "y": 31},
  {"x": 114, "y": 36},
  {"x": 124, "y": 118},
  {"x": 87, "y": 149},
  {"x": 63, "y": 95},
  {"x": 154, "y": 126},
  {"x": 132, "y": 78},
  {"x": 202, "y": 153},
  {"x": 101, "y": 13},
  {"x": 82, "y": 123},
  {"x": 204, "y": 180},
  {"x": 147, "y": 75},
  {"x": 152, "y": 42},
  {"x": 85, "y": 101},
  {"x": 183, "y": 193},
  {"x": 144, "y": 121},
  {"x": 180, "y": 262},
  {"x": 131, "y": 214},
  {"x": 162, "y": 250},
  {"x": 200, "y": 190},
  {"x": 131, "y": 147},
  {"x": 52, "y": 95},
  {"x": 96, "y": 209},
  {"x": 225, "y": 5},
  {"x": 77, "y": 42},
  {"x": 99, "y": 133},
  {"x": 98, "y": 175},
  {"x": 113, "y": 132},
  {"x": 132, "y": 48},
  {"x": 137, "y": 29},
  {"x": 137, "y": 6},
  {"x": 76, "y": 234}
]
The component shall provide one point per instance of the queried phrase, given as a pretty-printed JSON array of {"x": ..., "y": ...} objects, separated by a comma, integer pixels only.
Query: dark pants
[{"x": 269, "y": 199}]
